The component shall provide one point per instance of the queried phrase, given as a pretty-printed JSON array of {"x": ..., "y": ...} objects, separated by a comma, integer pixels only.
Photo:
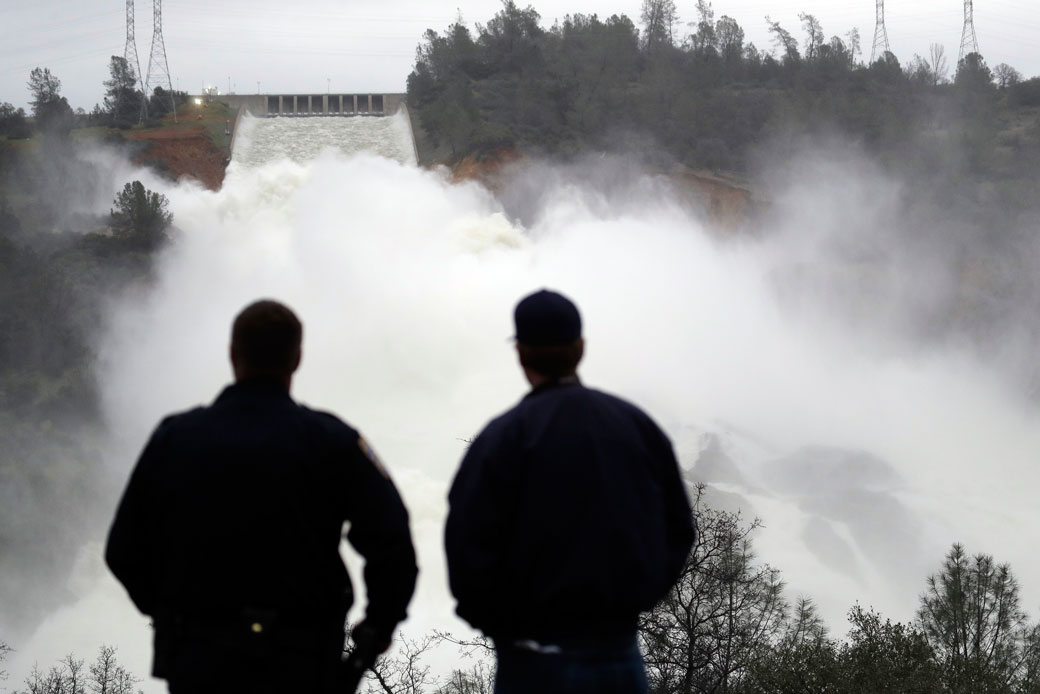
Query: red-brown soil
[
  {"x": 486, "y": 169},
  {"x": 730, "y": 206},
  {"x": 183, "y": 153}
]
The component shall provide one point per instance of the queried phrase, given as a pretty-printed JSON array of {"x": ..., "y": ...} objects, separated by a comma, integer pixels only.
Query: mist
[{"x": 810, "y": 373}]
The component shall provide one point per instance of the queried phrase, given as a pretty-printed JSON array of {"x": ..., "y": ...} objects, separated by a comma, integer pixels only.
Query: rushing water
[
  {"x": 261, "y": 141},
  {"x": 863, "y": 465}
]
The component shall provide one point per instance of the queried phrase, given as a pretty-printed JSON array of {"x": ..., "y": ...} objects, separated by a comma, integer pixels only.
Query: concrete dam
[
  {"x": 263, "y": 139},
  {"x": 299, "y": 126}
]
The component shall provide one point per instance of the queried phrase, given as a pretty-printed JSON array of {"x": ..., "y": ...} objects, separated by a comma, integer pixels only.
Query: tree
[
  {"x": 704, "y": 40},
  {"x": 104, "y": 676},
  {"x": 73, "y": 675},
  {"x": 402, "y": 671},
  {"x": 836, "y": 57},
  {"x": 141, "y": 215},
  {"x": 478, "y": 679},
  {"x": 511, "y": 38},
  {"x": 938, "y": 63},
  {"x": 886, "y": 658},
  {"x": 4, "y": 650},
  {"x": 1026, "y": 93},
  {"x": 44, "y": 87},
  {"x": 107, "y": 676},
  {"x": 919, "y": 71},
  {"x": 971, "y": 618},
  {"x": 164, "y": 102},
  {"x": 123, "y": 101},
  {"x": 783, "y": 40},
  {"x": 804, "y": 661},
  {"x": 51, "y": 111},
  {"x": 730, "y": 38},
  {"x": 66, "y": 677},
  {"x": 659, "y": 18},
  {"x": 722, "y": 616},
  {"x": 886, "y": 69},
  {"x": 973, "y": 74},
  {"x": 1006, "y": 75},
  {"x": 813, "y": 35},
  {"x": 852, "y": 40},
  {"x": 13, "y": 122}
]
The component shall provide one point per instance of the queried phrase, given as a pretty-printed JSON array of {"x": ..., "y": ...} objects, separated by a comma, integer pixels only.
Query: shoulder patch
[{"x": 369, "y": 452}]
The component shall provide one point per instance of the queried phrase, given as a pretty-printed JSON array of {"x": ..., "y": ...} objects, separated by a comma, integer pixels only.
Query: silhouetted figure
[
  {"x": 568, "y": 517},
  {"x": 228, "y": 532}
]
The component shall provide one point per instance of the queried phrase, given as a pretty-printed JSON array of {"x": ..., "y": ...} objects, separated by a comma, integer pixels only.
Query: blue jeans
[{"x": 593, "y": 669}]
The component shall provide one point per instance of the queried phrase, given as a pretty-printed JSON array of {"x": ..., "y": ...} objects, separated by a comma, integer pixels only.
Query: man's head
[
  {"x": 548, "y": 336},
  {"x": 265, "y": 342}
]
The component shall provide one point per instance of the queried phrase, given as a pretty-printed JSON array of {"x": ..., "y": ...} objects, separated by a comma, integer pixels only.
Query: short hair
[
  {"x": 266, "y": 338},
  {"x": 552, "y": 361}
]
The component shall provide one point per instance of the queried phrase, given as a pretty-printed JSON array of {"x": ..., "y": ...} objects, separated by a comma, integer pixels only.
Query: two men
[{"x": 568, "y": 518}]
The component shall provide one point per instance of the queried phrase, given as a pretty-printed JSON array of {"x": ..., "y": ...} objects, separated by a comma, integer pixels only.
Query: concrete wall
[{"x": 312, "y": 104}]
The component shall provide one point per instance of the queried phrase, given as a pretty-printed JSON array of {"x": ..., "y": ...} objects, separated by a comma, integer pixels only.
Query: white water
[
  {"x": 260, "y": 142},
  {"x": 406, "y": 284}
]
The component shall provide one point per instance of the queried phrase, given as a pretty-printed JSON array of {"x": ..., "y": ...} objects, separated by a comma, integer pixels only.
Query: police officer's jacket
[
  {"x": 568, "y": 517},
  {"x": 238, "y": 509}
]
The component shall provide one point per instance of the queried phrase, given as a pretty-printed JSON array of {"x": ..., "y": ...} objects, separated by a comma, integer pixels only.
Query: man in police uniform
[
  {"x": 568, "y": 517},
  {"x": 228, "y": 532}
]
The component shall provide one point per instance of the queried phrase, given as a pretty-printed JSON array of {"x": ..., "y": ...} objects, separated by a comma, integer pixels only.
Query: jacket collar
[
  {"x": 253, "y": 388},
  {"x": 554, "y": 383}
]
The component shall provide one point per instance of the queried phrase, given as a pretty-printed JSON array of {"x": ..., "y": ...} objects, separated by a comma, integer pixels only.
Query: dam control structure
[{"x": 269, "y": 105}]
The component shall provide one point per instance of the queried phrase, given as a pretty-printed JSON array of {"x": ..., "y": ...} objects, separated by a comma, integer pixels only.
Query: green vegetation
[
  {"x": 708, "y": 98},
  {"x": 59, "y": 268},
  {"x": 125, "y": 104},
  {"x": 958, "y": 144},
  {"x": 141, "y": 216},
  {"x": 51, "y": 111},
  {"x": 727, "y": 627}
]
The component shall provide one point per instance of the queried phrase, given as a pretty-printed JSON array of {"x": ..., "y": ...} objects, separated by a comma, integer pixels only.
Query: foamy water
[
  {"x": 406, "y": 284},
  {"x": 266, "y": 140}
]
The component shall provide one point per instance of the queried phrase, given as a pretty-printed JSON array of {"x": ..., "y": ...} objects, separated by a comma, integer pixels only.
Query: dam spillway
[{"x": 259, "y": 141}]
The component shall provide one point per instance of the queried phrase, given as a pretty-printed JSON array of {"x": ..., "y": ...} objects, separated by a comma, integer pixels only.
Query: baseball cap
[{"x": 546, "y": 318}]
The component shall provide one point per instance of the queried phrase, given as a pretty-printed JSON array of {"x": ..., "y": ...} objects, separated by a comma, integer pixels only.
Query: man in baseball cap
[{"x": 568, "y": 517}]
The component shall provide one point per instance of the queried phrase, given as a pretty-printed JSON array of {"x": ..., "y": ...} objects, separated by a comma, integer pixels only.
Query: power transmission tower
[
  {"x": 880, "y": 34},
  {"x": 130, "y": 55},
  {"x": 969, "y": 43},
  {"x": 130, "y": 52},
  {"x": 158, "y": 68}
]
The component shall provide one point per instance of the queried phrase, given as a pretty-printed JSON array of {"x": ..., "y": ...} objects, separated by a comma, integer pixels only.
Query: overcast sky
[{"x": 369, "y": 45}]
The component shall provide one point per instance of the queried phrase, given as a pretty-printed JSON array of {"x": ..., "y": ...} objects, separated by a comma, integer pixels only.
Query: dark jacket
[
  {"x": 238, "y": 509},
  {"x": 568, "y": 517}
]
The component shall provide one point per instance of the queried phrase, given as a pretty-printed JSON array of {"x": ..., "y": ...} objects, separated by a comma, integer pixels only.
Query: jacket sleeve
[
  {"x": 680, "y": 524},
  {"x": 477, "y": 531},
  {"x": 131, "y": 538},
  {"x": 379, "y": 531}
]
